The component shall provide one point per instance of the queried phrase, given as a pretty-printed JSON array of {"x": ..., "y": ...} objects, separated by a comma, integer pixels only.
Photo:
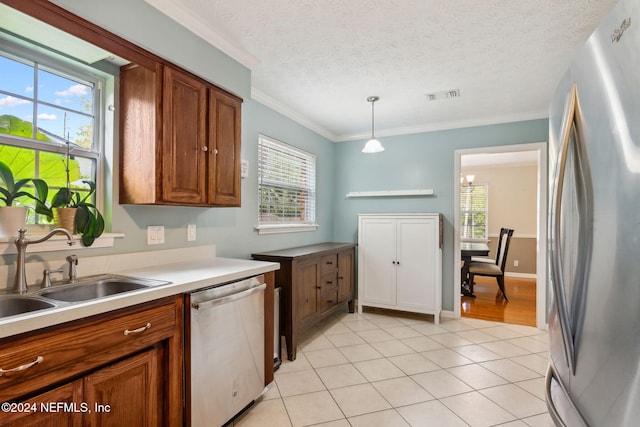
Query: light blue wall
[{"x": 424, "y": 160}]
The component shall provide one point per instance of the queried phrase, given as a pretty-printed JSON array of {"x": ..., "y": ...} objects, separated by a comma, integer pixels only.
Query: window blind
[
  {"x": 286, "y": 183},
  {"x": 473, "y": 212}
]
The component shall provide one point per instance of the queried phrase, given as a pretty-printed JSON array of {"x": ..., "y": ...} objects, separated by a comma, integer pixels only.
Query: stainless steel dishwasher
[{"x": 227, "y": 350}]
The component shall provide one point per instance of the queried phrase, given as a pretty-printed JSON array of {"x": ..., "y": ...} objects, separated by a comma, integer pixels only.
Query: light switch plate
[
  {"x": 155, "y": 234},
  {"x": 191, "y": 232},
  {"x": 244, "y": 168}
]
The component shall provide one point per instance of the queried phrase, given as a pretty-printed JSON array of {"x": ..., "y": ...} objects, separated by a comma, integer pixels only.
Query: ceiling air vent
[{"x": 445, "y": 94}]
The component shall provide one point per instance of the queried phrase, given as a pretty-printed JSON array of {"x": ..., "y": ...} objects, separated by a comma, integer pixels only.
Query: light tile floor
[{"x": 386, "y": 369}]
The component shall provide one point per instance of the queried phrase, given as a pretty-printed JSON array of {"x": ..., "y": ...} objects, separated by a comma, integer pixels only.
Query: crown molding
[
  {"x": 202, "y": 30},
  {"x": 456, "y": 124},
  {"x": 267, "y": 101}
]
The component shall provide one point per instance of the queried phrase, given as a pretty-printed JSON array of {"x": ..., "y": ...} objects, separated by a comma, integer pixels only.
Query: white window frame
[
  {"x": 464, "y": 211},
  {"x": 74, "y": 71},
  {"x": 307, "y": 183}
]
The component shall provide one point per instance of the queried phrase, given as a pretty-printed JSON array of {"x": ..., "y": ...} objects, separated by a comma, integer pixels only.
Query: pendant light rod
[{"x": 372, "y": 100}]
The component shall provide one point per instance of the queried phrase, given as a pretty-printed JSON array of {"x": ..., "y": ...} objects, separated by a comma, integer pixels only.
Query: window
[
  {"x": 46, "y": 107},
  {"x": 473, "y": 212},
  {"x": 286, "y": 187}
]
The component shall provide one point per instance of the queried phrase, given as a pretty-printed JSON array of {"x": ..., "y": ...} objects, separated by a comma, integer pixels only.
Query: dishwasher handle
[{"x": 203, "y": 305}]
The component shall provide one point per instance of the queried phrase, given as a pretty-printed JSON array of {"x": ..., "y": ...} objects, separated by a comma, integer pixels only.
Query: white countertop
[{"x": 185, "y": 276}]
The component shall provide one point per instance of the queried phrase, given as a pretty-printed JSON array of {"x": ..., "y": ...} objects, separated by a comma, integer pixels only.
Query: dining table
[{"x": 468, "y": 250}]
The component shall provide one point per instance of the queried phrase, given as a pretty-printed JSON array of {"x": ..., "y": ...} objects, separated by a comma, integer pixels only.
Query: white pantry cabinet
[{"x": 400, "y": 262}]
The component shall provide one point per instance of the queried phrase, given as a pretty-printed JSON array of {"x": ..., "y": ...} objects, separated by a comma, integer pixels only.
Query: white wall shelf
[{"x": 392, "y": 193}]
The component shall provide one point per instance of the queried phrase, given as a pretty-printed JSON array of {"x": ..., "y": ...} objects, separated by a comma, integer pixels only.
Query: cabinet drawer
[
  {"x": 328, "y": 281},
  {"x": 328, "y": 299},
  {"x": 67, "y": 351},
  {"x": 328, "y": 263}
]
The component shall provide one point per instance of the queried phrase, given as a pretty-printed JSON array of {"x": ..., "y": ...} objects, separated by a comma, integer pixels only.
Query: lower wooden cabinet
[
  {"x": 35, "y": 413},
  {"x": 126, "y": 393},
  {"x": 118, "y": 369},
  {"x": 315, "y": 280}
]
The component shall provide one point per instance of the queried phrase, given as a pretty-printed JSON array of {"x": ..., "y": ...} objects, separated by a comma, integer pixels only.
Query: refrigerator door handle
[
  {"x": 551, "y": 406},
  {"x": 556, "y": 265}
]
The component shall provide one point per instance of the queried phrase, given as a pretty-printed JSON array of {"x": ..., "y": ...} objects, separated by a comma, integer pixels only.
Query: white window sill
[
  {"x": 284, "y": 228},
  {"x": 57, "y": 243}
]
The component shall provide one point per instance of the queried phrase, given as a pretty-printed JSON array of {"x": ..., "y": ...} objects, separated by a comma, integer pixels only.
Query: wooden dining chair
[{"x": 496, "y": 268}]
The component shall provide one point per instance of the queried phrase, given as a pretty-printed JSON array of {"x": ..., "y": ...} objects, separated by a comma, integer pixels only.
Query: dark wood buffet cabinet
[{"x": 316, "y": 280}]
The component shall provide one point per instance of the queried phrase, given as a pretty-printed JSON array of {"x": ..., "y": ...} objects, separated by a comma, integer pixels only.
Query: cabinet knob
[
  {"x": 329, "y": 282},
  {"x": 205, "y": 148},
  {"x": 318, "y": 287},
  {"x": 215, "y": 151}
]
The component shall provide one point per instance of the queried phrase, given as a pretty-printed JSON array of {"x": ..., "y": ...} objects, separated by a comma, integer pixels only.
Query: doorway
[{"x": 539, "y": 151}]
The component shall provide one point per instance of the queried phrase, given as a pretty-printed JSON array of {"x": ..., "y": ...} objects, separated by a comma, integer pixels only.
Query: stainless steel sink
[
  {"x": 99, "y": 287},
  {"x": 13, "y": 305}
]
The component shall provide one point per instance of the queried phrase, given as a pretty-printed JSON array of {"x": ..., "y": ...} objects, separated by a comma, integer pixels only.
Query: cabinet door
[
  {"x": 224, "y": 138},
  {"x": 417, "y": 245},
  {"x": 306, "y": 279},
  {"x": 58, "y": 416},
  {"x": 378, "y": 251},
  {"x": 140, "y": 127},
  {"x": 184, "y": 149},
  {"x": 129, "y": 392},
  {"x": 345, "y": 275}
]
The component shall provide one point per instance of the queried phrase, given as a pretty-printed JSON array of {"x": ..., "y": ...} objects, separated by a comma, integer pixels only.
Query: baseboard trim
[
  {"x": 521, "y": 275},
  {"x": 448, "y": 314}
]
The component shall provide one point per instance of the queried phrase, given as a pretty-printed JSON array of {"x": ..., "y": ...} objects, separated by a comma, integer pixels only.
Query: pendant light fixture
[{"x": 372, "y": 145}]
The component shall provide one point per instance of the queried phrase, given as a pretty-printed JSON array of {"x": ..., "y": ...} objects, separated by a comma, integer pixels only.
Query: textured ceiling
[{"x": 317, "y": 61}]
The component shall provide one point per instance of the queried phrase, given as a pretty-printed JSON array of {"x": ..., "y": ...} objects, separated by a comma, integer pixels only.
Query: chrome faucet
[{"x": 21, "y": 242}]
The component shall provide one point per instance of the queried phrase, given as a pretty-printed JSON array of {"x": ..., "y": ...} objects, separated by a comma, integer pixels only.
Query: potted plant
[
  {"x": 70, "y": 209},
  {"x": 13, "y": 216},
  {"x": 86, "y": 219}
]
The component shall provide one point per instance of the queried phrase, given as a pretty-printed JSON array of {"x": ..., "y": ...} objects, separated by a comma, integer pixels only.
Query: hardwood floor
[{"x": 489, "y": 304}]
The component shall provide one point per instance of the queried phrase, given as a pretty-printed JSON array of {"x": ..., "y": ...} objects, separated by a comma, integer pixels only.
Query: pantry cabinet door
[
  {"x": 377, "y": 246},
  {"x": 417, "y": 246}
]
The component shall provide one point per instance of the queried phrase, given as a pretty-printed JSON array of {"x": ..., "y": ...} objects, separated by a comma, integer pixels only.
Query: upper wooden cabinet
[{"x": 180, "y": 139}]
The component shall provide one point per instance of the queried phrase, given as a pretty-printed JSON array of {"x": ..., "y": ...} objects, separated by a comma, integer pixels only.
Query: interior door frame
[{"x": 541, "y": 233}]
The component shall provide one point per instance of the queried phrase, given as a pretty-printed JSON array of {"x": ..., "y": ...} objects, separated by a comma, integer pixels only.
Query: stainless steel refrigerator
[{"x": 594, "y": 230}]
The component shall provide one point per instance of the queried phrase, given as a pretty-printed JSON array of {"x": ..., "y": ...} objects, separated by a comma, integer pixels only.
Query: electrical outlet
[
  {"x": 155, "y": 235},
  {"x": 516, "y": 263},
  {"x": 191, "y": 232}
]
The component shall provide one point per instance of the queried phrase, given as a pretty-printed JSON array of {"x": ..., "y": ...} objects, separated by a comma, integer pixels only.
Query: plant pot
[
  {"x": 65, "y": 218},
  {"x": 12, "y": 218}
]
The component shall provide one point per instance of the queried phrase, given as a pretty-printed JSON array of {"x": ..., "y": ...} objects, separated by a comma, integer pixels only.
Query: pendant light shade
[{"x": 373, "y": 145}]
